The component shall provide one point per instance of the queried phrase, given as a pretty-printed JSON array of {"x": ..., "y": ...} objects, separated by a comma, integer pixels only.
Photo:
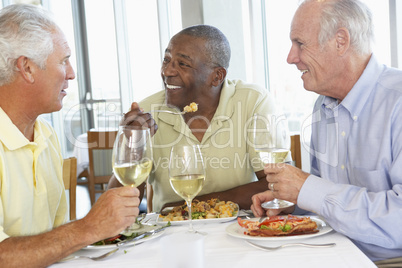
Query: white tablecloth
[{"x": 222, "y": 250}]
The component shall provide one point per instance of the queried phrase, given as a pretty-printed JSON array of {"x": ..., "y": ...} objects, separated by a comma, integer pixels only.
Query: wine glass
[
  {"x": 132, "y": 158},
  {"x": 271, "y": 141},
  {"x": 187, "y": 174}
]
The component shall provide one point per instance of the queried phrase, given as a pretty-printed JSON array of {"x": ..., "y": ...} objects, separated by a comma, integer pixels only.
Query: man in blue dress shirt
[{"x": 356, "y": 145}]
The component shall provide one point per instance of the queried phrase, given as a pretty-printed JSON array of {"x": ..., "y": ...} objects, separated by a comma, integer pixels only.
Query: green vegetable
[
  {"x": 285, "y": 228},
  {"x": 197, "y": 215},
  {"x": 99, "y": 243}
]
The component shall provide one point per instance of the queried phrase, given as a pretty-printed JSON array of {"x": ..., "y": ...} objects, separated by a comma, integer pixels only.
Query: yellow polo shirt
[
  {"x": 32, "y": 195},
  {"x": 230, "y": 159}
]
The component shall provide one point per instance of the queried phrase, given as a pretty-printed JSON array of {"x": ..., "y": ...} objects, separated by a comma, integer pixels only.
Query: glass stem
[{"x": 190, "y": 216}]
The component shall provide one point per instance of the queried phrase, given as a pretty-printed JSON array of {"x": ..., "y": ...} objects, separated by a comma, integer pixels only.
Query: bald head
[{"x": 353, "y": 15}]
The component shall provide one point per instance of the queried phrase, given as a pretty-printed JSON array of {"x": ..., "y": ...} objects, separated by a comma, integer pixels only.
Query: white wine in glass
[
  {"x": 187, "y": 186},
  {"x": 132, "y": 158},
  {"x": 133, "y": 174},
  {"x": 187, "y": 174},
  {"x": 271, "y": 141}
]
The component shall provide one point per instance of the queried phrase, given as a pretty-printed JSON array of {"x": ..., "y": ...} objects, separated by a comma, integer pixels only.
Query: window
[
  {"x": 284, "y": 79},
  {"x": 146, "y": 48},
  {"x": 103, "y": 80}
]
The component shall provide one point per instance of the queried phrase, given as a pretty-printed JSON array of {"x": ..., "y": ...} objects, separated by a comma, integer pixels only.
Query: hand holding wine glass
[
  {"x": 271, "y": 141},
  {"x": 187, "y": 174},
  {"x": 132, "y": 157}
]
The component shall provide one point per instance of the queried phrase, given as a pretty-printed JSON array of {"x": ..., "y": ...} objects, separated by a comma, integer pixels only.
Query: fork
[
  {"x": 167, "y": 111},
  {"x": 292, "y": 245},
  {"x": 97, "y": 258}
]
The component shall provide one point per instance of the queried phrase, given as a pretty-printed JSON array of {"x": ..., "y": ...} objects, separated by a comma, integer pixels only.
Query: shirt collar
[
  {"x": 357, "y": 97},
  {"x": 225, "y": 106},
  {"x": 13, "y": 139}
]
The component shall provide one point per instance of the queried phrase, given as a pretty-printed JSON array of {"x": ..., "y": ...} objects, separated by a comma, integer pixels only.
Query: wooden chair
[
  {"x": 100, "y": 147},
  {"x": 70, "y": 183},
  {"x": 393, "y": 262},
  {"x": 295, "y": 150}
]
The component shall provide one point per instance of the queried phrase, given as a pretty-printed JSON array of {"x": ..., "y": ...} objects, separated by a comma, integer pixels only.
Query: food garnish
[
  {"x": 115, "y": 239},
  {"x": 122, "y": 237},
  {"x": 192, "y": 107}
]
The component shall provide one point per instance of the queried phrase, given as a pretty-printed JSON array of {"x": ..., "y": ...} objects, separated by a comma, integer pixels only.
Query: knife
[{"x": 149, "y": 233}]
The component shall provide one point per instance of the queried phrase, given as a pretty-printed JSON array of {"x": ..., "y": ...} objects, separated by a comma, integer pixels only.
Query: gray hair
[
  {"x": 354, "y": 16},
  {"x": 218, "y": 47},
  {"x": 25, "y": 30}
]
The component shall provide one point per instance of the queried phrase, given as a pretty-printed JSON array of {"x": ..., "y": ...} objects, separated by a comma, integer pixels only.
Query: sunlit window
[
  {"x": 284, "y": 79},
  {"x": 67, "y": 122},
  {"x": 145, "y": 45},
  {"x": 32, "y": 2}
]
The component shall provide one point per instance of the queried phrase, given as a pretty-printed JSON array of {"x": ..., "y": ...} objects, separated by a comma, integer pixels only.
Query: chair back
[
  {"x": 70, "y": 183},
  {"x": 295, "y": 150},
  {"x": 100, "y": 148}
]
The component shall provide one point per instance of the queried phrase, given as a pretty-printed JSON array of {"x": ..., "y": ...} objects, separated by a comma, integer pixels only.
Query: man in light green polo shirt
[
  {"x": 34, "y": 73},
  {"x": 194, "y": 70}
]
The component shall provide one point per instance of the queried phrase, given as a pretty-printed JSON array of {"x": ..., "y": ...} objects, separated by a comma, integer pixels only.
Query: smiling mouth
[
  {"x": 172, "y": 87},
  {"x": 303, "y": 72}
]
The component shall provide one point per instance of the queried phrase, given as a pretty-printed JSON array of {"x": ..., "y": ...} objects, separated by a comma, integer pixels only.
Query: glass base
[
  {"x": 132, "y": 229},
  {"x": 276, "y": 204}
]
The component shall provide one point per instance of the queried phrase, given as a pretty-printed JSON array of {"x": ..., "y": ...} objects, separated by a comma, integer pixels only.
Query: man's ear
[
  {"x": 342, "y": 39},
  {"x": 220, "y": 74},
  {"x": 26, "y": 68}
]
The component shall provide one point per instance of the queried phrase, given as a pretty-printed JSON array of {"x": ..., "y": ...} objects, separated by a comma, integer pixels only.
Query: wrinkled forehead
[
  {"x": 60, "y": 39},
  {"x": 307, "y": 17},
  {"x": 191, "y": 46},
  {"x": 185, "y": 40}
]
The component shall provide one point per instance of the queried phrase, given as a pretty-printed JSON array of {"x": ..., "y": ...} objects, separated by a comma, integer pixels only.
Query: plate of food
[
  {"x": 276, "y": 228},
  {"x": 212, "y": 210},
  {"x": 145, "y": 233}
]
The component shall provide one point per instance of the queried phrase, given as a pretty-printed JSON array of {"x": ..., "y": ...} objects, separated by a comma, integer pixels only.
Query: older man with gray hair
[
  {"x": 34, "y": 73},
  {"x": 356, "y": 145}
]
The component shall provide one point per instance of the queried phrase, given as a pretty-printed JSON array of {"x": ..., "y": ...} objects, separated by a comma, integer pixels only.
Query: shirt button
[
  {"x": 355, "y": 117},
  {"x": 343, "y": 133},
  {"x": 342, "y": 167}
]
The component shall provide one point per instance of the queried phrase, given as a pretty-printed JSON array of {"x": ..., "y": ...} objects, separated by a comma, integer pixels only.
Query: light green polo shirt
[
  {"x": 32, "y": 195},
  {"x": 229, "y": 157}
]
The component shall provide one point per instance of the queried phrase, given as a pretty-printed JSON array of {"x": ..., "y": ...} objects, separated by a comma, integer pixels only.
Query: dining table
[{"x": 221, "y": 249}]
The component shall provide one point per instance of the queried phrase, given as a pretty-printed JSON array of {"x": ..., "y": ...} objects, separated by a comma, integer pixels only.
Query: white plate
[
  {"x": 145, "y": 228},
  {"x": 215, "y": 220},
  {"x": 236, "y": 230}
]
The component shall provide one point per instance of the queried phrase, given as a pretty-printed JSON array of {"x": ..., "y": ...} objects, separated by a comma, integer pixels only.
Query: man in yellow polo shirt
[
  {"x": 34, "y": 73},
  {"x": 194, "y": 70}
]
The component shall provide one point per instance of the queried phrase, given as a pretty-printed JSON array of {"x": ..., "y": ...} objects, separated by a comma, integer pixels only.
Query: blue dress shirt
[{"x": 356, "y": 162}]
